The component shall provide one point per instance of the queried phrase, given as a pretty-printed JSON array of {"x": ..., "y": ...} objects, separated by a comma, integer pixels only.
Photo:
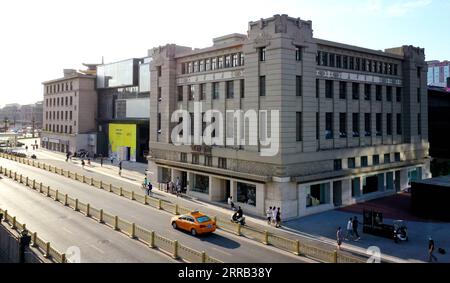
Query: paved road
[
  {"x": 221, "y": 245},
  {"x": 64, "y": 228}
]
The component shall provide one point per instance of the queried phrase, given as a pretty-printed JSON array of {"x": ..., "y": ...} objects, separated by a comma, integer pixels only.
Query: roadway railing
[
  {"x": 314, "y": 251},
  {"x": 152, "y": 239},
  {"x": 44, "y": 247}
]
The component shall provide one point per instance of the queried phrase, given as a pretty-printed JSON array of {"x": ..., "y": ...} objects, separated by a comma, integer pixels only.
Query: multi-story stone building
[
  {"x": 70, "y": 112},
  {"x": 352, "y": 123}
]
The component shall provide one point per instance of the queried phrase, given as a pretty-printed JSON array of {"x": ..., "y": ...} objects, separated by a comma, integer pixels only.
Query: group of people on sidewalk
[
  {"x": 274, "y": 216},
  {"x": 352, "y": 232}
]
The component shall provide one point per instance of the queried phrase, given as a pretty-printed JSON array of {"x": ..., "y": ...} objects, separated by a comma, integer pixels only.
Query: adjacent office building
[
  {"x": 69, "y": 112},
  {"x": 352, "y": 121},
  {"x": 438, "y": 73},
  {"x": 124, "y": 108}
]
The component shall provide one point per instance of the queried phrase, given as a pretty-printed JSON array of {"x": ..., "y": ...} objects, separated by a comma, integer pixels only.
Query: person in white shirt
[
  {"x": 230, "y": 202},
  {"x": 269, "y": 215},
  {"x": 349, "y": 229},
  {"x": 274, "y": 215}
]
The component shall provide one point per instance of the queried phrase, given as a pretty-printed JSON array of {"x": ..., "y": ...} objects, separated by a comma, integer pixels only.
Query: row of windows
[
  {"x": 351, "y": 162},
  {"x": 207, "y": 161},
  {"x": 262, "y": 53},
  {"x": 59, "y": 87},
  {"x": 63, "y": 129},
  {"x": 63, "y": 115},
  {"x": 214, "y": 63},
  {"x": 59, "y": 101},
  {"x": 329, "y": 91},
  {"x": 343, "y": 131},
  {"x": 355, "y": 63},
  {"x": 200, "y": 90}
]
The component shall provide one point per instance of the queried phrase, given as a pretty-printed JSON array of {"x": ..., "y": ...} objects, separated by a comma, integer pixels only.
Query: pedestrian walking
[
  {"x": 82, "y": 163},
  {"x": 101, "y": 161},
  {"x": 269, "y": 215},
  {"x": 178, "y": 186},
  {"x": 230, "y": 202},
  {"x": 120, "y": 168},
  {"x": 339, "y": 238},
  {"x": 355, "y": 228},
  {"x": 112, "y": 159},
  {"x": 349, "y": 229},
  {"x": 149, "y": 188},
  {"x": 26, "y": 148},
  {"x": 89, "y": 161},
  {"x": 274, "y": 215},
  {"x": 431, "y": 256},
  {"x": 67, "y": 157},
  {"x": 278, "y": 218}
]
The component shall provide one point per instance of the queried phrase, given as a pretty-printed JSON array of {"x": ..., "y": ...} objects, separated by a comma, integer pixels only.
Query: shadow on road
[{"x": 220, "y": 240}]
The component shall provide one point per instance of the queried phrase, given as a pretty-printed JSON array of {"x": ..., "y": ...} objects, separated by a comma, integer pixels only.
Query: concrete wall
[{"x": 9, "y": 248}]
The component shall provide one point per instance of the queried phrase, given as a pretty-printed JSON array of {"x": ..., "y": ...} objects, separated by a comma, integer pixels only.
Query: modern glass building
[{"x": 124, "y": 109}]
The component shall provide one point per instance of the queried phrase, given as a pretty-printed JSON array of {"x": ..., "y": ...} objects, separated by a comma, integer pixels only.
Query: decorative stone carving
[{"x": 280, "y": 24}]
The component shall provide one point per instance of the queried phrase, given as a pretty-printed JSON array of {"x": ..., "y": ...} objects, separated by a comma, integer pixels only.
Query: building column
[{"x": 347, "y": 192}]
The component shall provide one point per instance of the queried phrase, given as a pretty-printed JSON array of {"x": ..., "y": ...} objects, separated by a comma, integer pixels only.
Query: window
[
  {"x": 195, "y": 66},
  {"x": 220, "y": 62},
  {"x": 222, "y": 163},
  {"x": 183, "y": 68},
  {"x": 363, "y": 65},
  {"x": 65, "y": 129},
  {"x": 180, "y": 93},
  {"x": 299, "y": 126},
  {"x": 376, "y": 160},
  {"x": 399, "y": 94},
  {"x": 57, "y": 115},
  {"x": 395, "y": 69},
  {"x": 352, "y": 65},
  {"x": 70, "y": 129},
  {"x": 241, "y": 59},
  {"x": 200, "y": 184},
  {"x": 342, "y": 90},
  {"x": 328, "y": 89},
  {"x": 213, "y": 63},
  {"x": 195, "y": 158},
  {"x": 317, "y": 194},
  {"x": 355, "y": 124},
  {"x": 159, "y": 93},
  {"x": 183, "y": 157},
  {"x": 298, "y": 53},
  {"x": 242, "y": 85},
  {"x": 57, "y": 101},
  {"x": 159, "y": 70},
  {"x": 345, "y": 62},
  {"x": 397, "y": 157},
  {"x": 192, "y": 126},
  {"x": 202, "y": 66},
  {"x": 71, "y": 101},
  {"x": 337, "y": 164},
  {"x": 351, "y": 163},
  {"x": 388, "y": 93},
  {"x": 318, "y": 57},
  {"x": 419, "y": 124},
  {"x": 389, "y": 124},
  {"x": 379, "y": 127},
  {"x": 367, "y": 91},
  {"x": 317, "y": 126},
  {"x": 67, "y": 101},
  {"x": 208, "y": 160},
  {"x": 387, "y": 158},
  {"x": 328, "y": 125},
  {"x": 215, "y": 90},
  {"x": 57, "y": 126},
  {"x": 191, "y": 92},
  {"x": 355, "y": 91},
  {"x": 298, "y": 86},
  {"x": 246, "y": 193},
  {"x": 317, "y": 87},
  {"x": 338, "y": 61},
  {"x": 230, "y": 89},
  {"x": 418, "y": 95},
  {"x": 234, "y": 60},
  {"x": 342, "y": 125},
  {"x": 367, "y": 125},
  {"x": 325, "y": 58},
  {"x": 207, "y": 64},
  {"x": 262, "y": 86},
  {"x": 227, "y": 61},
  {"x": 364, "y": 161},
  {"x": 66, "y": 115},
  {"x": 262, "y": 54},
  {"x": 332, "y": 60},
  {"x": 202, "y": 91},
  {"x": 189, "y": 67},
  {"x": 378, "y": 93},
  {"x": 158, "y": 126},
  {"x": 399, "y": 124}
]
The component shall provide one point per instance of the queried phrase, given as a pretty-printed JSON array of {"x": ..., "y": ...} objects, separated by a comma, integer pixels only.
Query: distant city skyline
[{"x": 49, "y": 36}]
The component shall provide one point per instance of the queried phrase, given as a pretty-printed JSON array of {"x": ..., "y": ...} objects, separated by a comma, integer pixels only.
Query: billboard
[{"x": 122, "y": 141}]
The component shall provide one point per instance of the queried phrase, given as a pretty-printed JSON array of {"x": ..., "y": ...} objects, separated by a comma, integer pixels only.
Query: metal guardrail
[
  {"x": 277, "y": 241},
  {"x": 42, "y": 246}
]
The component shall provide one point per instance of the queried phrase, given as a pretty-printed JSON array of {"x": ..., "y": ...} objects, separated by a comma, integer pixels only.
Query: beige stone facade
[
  {"x": 70, "y": 110},
  {"x": 353, "y": 121}
]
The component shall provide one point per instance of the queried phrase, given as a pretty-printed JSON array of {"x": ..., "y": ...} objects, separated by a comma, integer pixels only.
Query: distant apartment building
[
  {"x": 438, "y": 73},
  {"x": 32, "y": 113},
  {"x": 11, "y": 113},
  {"x": 124, "y": 109},
  {"x": 70, "y": 112},
  {"x": 352, "y": 124}
]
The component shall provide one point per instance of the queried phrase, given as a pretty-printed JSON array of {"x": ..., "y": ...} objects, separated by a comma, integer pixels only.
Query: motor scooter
[{"x": 236, "y": 219}]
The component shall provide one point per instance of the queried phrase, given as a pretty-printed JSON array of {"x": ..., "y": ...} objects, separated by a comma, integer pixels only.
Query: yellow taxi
[{"x": 195, "y": 222}]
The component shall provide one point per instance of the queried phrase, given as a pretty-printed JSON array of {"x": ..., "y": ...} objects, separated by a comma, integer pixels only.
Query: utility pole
[
  {"x": 5, "y": 121},
  {"x": 33, "y": 121}
]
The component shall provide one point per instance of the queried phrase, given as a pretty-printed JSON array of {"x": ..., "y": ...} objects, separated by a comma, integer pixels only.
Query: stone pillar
[{"x": 347, "y": 192}]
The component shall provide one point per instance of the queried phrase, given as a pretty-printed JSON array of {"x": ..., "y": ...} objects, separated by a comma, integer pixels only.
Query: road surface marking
[
  {"x": 68, "y": 231},
  {"x": 98, "y": 249}
]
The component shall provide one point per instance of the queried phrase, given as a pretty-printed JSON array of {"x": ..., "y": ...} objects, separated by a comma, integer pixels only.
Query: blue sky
[{"x": 40, "y": 38}]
